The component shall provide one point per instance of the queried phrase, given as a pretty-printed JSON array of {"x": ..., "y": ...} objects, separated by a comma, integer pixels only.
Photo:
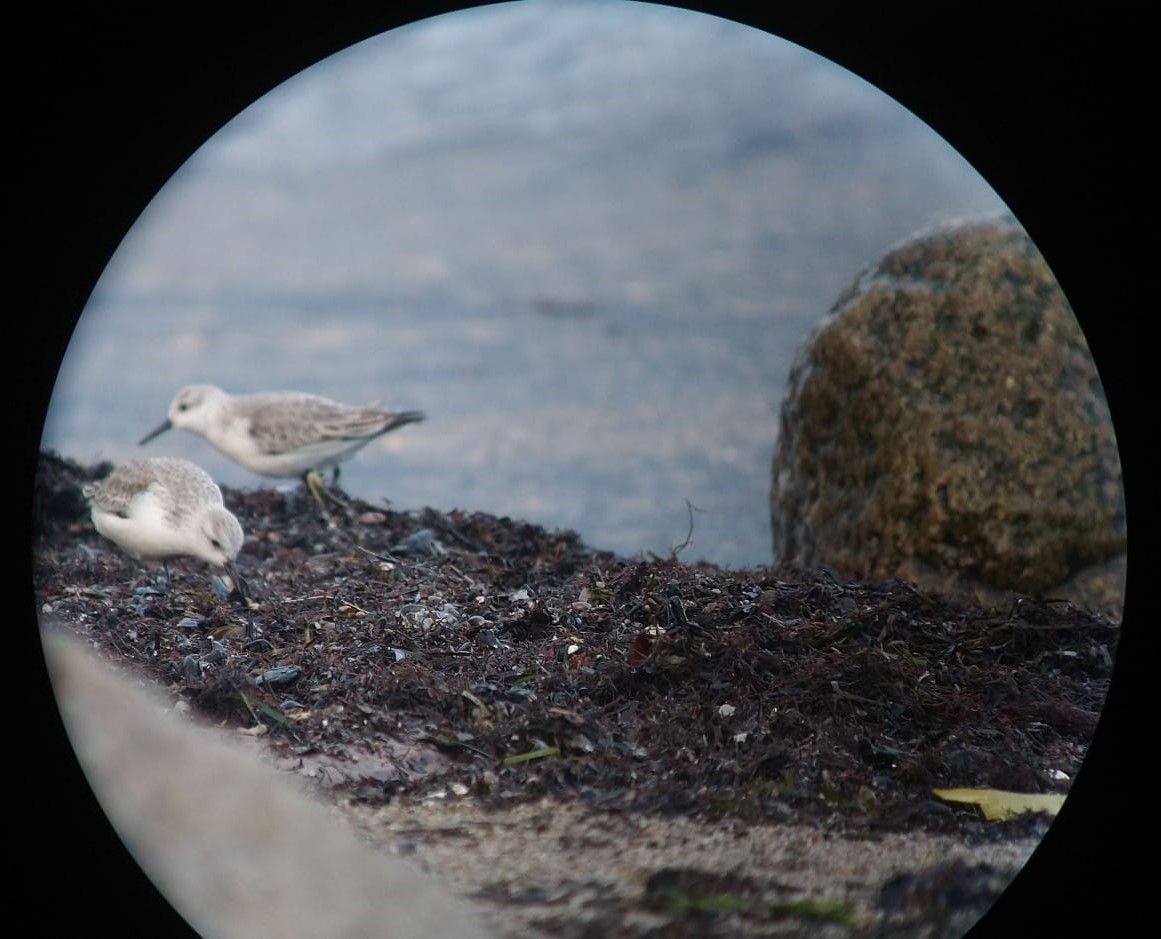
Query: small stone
[{"x": 279, "y": 675}]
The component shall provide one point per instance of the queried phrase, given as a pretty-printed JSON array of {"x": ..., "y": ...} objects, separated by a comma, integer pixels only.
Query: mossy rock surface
[{"x": 946, "y": 424}]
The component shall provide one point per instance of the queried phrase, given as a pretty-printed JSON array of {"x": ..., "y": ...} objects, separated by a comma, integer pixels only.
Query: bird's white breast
[{"x": 145, "y": 531}]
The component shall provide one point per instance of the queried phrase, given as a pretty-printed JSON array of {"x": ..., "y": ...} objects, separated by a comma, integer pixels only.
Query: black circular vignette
[{"x": 1047, "y": 106}]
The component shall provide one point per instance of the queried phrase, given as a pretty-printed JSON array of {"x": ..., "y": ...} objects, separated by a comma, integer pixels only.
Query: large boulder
[{"x": 946, "y": 424}]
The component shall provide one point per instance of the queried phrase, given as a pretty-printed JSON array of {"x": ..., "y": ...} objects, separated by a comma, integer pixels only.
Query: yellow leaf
[{"x": 997, "y": 804}]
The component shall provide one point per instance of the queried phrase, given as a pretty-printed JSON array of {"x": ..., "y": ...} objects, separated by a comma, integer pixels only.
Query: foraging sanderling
[
  {"x": 162, "y": 507},
  {"x": 280, "y": 433}
]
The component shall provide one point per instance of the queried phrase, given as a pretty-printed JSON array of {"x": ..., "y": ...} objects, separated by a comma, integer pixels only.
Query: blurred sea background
[{"x": 586, "y": 237}]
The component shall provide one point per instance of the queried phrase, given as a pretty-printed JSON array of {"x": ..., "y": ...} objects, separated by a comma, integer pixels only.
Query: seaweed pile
[{"x": 408, "y": 652}]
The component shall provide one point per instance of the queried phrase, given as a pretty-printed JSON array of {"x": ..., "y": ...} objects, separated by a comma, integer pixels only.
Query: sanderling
[
  {"x": 161, "y": 508},
  {"x": 280, "y": 433}
]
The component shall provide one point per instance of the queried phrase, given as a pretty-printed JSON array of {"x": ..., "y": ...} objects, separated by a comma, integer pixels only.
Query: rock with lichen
[{"x": 946, "y": 424}]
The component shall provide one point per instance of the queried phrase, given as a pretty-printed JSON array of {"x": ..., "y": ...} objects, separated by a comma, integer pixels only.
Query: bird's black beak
[
  {"x": 240, "y": 594},
  {"x": 156, "y": 432}
]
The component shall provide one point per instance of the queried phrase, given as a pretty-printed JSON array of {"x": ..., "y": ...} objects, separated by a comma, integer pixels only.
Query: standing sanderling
[
  {"x": 160, "y": 508},
  {"x": 280, "y": 433}
]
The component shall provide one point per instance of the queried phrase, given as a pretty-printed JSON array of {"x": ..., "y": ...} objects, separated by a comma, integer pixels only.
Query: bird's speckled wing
[
  {"x": 180, "y": 485},
  {"x": 108, "y": 498},
  {"x": 282, "y": 423}
]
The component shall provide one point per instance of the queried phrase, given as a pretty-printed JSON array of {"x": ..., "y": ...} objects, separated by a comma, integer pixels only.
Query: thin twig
[{"x": 675, "y": 551}]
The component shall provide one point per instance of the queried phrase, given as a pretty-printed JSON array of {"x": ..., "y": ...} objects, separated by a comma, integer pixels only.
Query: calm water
[{"x": 587, "y": 239}]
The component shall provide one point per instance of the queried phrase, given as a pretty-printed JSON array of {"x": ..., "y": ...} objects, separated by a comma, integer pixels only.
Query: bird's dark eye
[{"x": 183, "y": 407}]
